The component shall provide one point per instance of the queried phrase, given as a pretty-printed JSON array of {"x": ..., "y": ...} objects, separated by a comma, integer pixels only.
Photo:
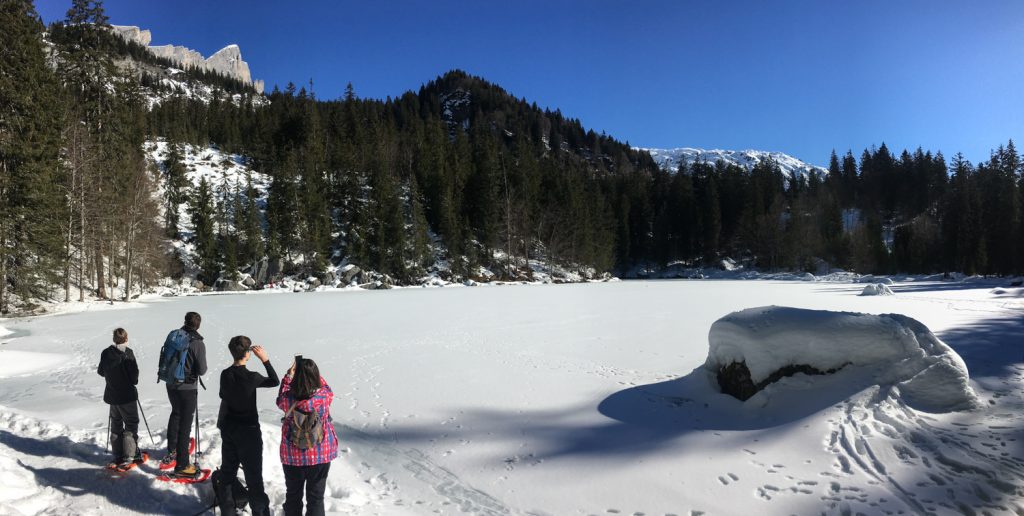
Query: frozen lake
[{"x": 557, "y": 399}]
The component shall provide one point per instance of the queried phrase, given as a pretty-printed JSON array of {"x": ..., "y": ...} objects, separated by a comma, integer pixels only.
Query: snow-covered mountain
[
  {"x": 226, "y": 61},
  {"x": 669, "y": 159}
]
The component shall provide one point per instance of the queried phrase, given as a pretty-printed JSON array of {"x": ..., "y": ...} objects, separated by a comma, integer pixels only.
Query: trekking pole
[
  {"x": 143, "y": 412},
  {"x": 198, "y": 452}
]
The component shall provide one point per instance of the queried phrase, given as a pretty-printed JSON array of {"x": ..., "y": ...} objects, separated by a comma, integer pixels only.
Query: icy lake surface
[{"x": 561, "y": 399}]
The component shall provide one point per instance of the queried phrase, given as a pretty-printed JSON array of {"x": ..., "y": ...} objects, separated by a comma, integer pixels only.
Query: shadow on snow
[{"x": 134, "y": 491}]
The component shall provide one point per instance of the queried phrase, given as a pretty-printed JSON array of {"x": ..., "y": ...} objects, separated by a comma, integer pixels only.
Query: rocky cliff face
[
  {"x": 142, "y": 37},
  {"x": 226, "y": 61}
]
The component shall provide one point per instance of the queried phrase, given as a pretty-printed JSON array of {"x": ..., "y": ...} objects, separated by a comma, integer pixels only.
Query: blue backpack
[{"x": 172, "y": 357}]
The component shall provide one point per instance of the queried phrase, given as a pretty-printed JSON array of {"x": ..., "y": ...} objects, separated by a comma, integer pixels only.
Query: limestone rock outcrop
[
  {"x": 226, "y": 61},
  {"x": 130, "y": 33}
]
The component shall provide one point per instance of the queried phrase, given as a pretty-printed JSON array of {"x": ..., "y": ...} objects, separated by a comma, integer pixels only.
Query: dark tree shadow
[{"x": 134, "y": 491}]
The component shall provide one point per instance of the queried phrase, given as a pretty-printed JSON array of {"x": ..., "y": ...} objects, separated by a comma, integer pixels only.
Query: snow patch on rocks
[{"x": 890, "y": 350}]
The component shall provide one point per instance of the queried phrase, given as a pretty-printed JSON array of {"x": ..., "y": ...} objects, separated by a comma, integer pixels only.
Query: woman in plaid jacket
[{"x": 305, "y": 392}]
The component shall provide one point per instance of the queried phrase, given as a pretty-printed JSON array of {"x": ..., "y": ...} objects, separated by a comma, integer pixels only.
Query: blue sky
[{"x": 799, "y": 77}]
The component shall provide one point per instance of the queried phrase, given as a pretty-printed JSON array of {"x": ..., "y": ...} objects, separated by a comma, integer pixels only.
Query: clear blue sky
[{"x": 801, "y": 77}]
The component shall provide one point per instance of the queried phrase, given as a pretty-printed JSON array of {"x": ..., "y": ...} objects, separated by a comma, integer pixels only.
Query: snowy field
[{"x": 556, "y": 399}]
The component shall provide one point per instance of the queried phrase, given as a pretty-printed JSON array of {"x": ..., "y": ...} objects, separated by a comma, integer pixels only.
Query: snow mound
[
  {"x": 892, "y": 350},
  {"x": 877, "y": 289},
  {"x": 4, "y": 331}
]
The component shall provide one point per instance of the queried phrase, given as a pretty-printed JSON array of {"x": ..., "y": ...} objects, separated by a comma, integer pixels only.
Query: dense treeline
[
  {"x": 76, "y": 204},
  {"x": 453, "y": 172},
  {"x": 485, "y": 170}
]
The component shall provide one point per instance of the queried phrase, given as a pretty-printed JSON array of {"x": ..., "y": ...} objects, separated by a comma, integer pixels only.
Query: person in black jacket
[
  {"x": 239, "y": 424},
  {"x": 121, "y": 371},
  {"x": 184, "y": 396}
]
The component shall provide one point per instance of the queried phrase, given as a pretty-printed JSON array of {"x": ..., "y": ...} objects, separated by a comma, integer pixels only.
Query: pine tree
[
  {"x": 202, "y": 212},
  {"x": 175, "y": 183},
  {"x": 30, "y": 244},
  {"x": 248, "y": 222},
  {"x": 419, "y": 237}
]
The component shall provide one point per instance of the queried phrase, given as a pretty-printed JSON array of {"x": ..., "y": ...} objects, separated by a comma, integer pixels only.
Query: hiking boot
[
  {"x": 169, "y": 460},
  {"x": 190, "y": 471},
  {"x": 125, "y": 465}
]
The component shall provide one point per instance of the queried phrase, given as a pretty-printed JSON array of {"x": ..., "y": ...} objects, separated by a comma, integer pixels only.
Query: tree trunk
[
  {"x": 112, "y": 270},
  {"x": 3, "y": 269},
  {"x": 81, "y": 241},
  {"x": 101, "y": 289}
]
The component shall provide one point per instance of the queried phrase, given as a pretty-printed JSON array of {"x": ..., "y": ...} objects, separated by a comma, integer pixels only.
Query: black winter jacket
[{"x": 122, "y": 374}]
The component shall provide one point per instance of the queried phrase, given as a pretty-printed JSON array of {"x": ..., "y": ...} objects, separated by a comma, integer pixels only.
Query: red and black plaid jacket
[{"x": 320, "y": 402}]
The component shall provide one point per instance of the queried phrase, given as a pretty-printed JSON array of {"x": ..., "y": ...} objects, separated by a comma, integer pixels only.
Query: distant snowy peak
[
  {"x": 669, "y": 159},
  {"x": 226, "y": 61}
]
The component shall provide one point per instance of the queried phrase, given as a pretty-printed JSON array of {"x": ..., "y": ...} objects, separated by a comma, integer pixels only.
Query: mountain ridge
[
  {"x": 226, "y": 61},
  {"x": 670, "y": 159}
]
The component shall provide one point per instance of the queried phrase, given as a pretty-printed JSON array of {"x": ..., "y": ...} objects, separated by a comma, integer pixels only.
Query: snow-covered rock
[
  {"x": 669, "y": 159},
  {"x": 877, "y": 289},
  {"x": 890, "y": 350}
]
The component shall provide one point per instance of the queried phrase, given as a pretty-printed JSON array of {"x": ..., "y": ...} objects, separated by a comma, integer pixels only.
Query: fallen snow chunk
[
  {"x": 892, "y": 349},
  {"x": 877, "y": 289}
]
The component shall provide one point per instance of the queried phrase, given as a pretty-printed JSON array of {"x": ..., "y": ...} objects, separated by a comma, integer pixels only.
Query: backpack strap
[{"x": 290, "y": 410}]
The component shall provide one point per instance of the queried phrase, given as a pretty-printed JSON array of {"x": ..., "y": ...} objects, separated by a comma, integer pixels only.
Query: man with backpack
[
  {"x": 239, "y": 424},
  {"x": 182, "y": 362}
]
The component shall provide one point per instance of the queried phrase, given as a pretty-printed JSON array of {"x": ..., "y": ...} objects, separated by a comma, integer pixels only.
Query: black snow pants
[
  {"x": 244, "y": 446},
  {"x": 314, "y": 479},
  {"x": 179, "y": 425},
  {"x": 124, "y": 431}
]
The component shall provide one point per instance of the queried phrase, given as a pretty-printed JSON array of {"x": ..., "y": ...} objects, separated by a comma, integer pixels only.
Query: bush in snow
[
  {"x": 878, "y": 289},
  {"x": 753, "y": 348}
]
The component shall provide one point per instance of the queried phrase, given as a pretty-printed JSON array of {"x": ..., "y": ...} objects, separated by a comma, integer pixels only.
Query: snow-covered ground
[{"x": 539, "y": 399}]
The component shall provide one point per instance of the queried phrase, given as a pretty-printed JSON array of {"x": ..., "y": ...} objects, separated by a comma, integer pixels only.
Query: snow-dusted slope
[
  {"x": 669, "y": 159},
  {"x": 227, "y": 174}
]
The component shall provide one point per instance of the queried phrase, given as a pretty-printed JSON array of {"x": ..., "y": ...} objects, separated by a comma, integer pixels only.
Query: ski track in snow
[{"x": 881, "y": 457}]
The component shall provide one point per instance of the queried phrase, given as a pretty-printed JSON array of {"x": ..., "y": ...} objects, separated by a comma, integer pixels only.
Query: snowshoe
[
  {"x": 132, "y": 464},
  {"x": 201, "y": 475}
]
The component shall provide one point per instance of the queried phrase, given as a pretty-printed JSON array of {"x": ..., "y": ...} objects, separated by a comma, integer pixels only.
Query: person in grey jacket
[{"x": 184, "y": 396}]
